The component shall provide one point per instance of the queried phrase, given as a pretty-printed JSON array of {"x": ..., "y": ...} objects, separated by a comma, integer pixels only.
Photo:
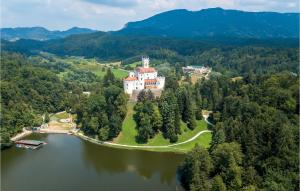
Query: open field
[
  {"x": 127, "y": 136},
  {"x": 72, "y": 63},
  {"x": 60, "y": 115},
  {"x": 101, "y": 69},
  {"x": 56, "y": 124},
  {"x": 135, "y": 64}
]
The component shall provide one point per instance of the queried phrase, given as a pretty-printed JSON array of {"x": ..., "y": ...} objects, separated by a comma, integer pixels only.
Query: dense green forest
[
  {"x": 166, "y": 113},
  {"x": 255, "y": 142},
  {"x": 27, "y": 92},
  {"x": 236, "y": 57},
  {"x": 102, "y": 113},
  {"x": 31, "y": 87}
]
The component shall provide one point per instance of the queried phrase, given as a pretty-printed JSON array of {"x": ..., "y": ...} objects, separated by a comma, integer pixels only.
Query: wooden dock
[{"x": 30, "y": 144}]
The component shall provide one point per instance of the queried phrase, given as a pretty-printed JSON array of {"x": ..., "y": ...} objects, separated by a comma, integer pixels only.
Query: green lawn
[
  {"x": 128, "y": 128},
  {"x": 120, "y": 73},
  {"x": 127, "y": 136},
  {"x": 117, "y": 72},
  {"x": 86, "y": 64},
  {"x": 134, "y": 64},
  {"x": 100, "y": 70},
  {"x": 203, "y": 140},
  {"x": 58, "y": 116}
]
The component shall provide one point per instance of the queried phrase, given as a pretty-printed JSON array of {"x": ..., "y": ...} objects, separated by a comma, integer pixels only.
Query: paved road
[{"x": 205, "y": 119}]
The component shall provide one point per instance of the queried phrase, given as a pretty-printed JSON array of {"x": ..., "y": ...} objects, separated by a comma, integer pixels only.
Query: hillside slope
[{"x": 217, "y": 22}]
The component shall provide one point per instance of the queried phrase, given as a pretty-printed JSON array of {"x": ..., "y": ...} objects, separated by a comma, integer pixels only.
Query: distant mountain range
[
  {"x": 217, "y": 22},
  {"x": 39, "y": 33},
  {"x": 213, "y": 23}
]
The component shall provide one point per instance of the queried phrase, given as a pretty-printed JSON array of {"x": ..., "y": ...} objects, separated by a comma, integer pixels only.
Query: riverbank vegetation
[{"x": 27, "y": 92}]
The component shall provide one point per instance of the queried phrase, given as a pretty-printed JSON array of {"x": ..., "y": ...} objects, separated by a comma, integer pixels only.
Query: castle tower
[{"x": 145, "y": 61}]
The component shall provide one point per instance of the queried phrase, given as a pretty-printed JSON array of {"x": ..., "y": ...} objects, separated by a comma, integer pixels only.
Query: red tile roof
[
  {"x": 150, "y": 80},
  {"x": 145, "y": 70},
  {"x": 130, "y": 78}
]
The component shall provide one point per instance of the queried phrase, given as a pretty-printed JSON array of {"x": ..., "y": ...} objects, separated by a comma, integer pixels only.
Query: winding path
[
  {"x": 205, "y": 119},
  {"x": 140, "y": 146}
]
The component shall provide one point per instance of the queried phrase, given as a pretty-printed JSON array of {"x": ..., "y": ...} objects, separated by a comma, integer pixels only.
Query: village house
[{"x": 196, "y": 69}]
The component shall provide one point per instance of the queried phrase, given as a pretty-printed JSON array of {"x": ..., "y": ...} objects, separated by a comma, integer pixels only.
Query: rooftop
[
  {"x": 150, "y": 80},
  {"x": 145, "y": 70},
  {"x": 130, "y": 79}
]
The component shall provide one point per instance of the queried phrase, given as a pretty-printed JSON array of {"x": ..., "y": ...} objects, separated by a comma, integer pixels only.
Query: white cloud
[
  {"x": 114, "y": 3},
  {"x": 113, "y": 14}
]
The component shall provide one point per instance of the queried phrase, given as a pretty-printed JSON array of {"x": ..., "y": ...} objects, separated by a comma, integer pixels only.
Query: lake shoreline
[
  {"x": 70, "y": 156},
  {"x": 20, "y": 135},
  {"x": 112, "y": 145},
  {"x": 152, "y": 148}
]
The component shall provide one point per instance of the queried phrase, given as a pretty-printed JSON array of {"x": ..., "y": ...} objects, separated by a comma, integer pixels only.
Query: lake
[{"x": 69, "y": 163}]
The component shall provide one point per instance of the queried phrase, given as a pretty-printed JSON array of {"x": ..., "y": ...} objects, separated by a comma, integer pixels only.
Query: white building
[
  {"x": 144, "y": 77},
  {"x": 196, "y": 69}
]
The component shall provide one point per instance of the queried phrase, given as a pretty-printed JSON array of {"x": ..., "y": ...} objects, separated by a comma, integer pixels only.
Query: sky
[{"x": 108, "y": 15}]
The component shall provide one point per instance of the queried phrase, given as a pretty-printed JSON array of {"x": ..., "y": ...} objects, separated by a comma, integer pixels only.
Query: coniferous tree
[
  {"x": 115, "y": 125},
  {"x": 148, "y": 120},
  {"x": 218, "y": 184},
  {"x": 47, "y": 118},
  {"x": 227, "y": 159},
  {"x": 195, "y": 170},
  {"x": 169, "y": 111},
  {"x": 218, "y": 137},
  {"x": 109, "y": 78},
  {"x": 145, "y": 130}
]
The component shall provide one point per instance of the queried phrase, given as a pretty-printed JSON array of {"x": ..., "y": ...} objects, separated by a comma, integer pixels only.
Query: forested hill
[
  {"x": 217, "y": 22},
  {"x": 39, "y": 33},
  {"x": 259, "y": 56}
]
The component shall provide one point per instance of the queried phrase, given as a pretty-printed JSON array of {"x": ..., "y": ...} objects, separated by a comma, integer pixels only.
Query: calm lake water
[{"x": 69, "y": 163}]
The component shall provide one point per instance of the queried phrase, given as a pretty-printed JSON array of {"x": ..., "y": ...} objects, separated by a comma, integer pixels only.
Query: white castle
[{"x": 144, "y": 77}]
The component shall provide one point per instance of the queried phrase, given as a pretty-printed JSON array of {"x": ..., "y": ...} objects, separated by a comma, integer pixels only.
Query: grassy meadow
[
  {"x": 74, "y": 63},
  {"x": 129, "y": 132}
]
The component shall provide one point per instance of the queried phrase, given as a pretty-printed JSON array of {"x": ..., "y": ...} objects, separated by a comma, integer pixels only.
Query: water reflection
[
  {"x": 70, "y": 163},
  {"x": 12, "y": 156},
  {"x": 145, "y": 163}
]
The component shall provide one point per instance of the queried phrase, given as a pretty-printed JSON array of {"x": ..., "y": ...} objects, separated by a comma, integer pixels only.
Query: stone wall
[{"x": 135, "y": 93}]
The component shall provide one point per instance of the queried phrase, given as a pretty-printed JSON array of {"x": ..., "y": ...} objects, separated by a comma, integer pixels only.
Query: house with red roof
[{"x": 144, "y": 77}]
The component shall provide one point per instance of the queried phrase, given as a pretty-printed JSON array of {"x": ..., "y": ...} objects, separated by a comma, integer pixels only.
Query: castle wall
[
  {"x": 127, "y": 87},
  {"x": 160, "y": 82}
]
